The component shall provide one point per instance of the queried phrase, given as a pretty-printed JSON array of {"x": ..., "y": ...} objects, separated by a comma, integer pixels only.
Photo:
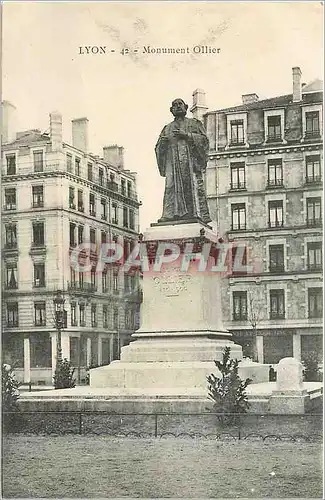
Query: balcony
[
  {"x": 314, "y": 222},
  {"x": 38, "y": 204},
  {"x": 313, "y": 179},
  {"x": 239, "y": 186},
  {"x": 312, "y": 134},
  {"x": 72, "y": 206},
  {"x": 82, "y": 287},
  {"x": 12, "y": 324},
  {"x": 277, "y": 269},
  {"x": 10, "y": 206},
  {"x": 92, "y": 212},
  {"x": 113, "y": 186},
  {"x": 10, "y": 248},
  {"x": 273, "y": 183},
  {"x": 274, "y": 138},
  {"x": 37, "y": 248},
  {"x": 275, "y": 223}
]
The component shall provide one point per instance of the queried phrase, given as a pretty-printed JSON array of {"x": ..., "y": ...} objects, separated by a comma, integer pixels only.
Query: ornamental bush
[
  {"x": 228, "y": 391},
  {"x": 63, "y": 376},
  {"x": 10, "y": 396}
]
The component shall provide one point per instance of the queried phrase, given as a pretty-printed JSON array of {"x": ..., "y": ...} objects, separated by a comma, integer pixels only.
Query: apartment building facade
[
  {"x": 56, "y": 197},
  {"x": 264, "y": 185}
]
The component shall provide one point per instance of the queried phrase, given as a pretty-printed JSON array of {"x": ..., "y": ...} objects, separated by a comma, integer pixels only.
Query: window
[
  {"x": 101, "y": 176},
  {"x": 131, "y": 216},
  {"x": 123, "y": 186},
  {"x": 312, "y": 124},
  {"x": 38, "y": 197},
  {"x": 277, "y": 310},
  {"x": 73, "y": 242},
  {"x": 10, "y": 199},
  {"x": 38, "y": 234},
  {"x": 82, "y": 319},
  {"x": 104, "y": 281},
  {"x": 80, "y": 235},
  {"x": 11, "y": 276},
  {"x": 38, "y": 161},
  {"x": 237, "y": 132},
  {"x": 73, "y": 314},
  {"x": 115, "y": 281},
  {"x": 93, "y": 315},
  {"x": 103, "y": 214},
  {"x": 77, "y": 166},
  {"x": 92, "y": 234},
  {"x": 129, "y": 188},
  {"x": 72, "y": 276},
  {"x": 39, "y": 275},
  {"x": 69, "y": 163},
  {"x": 276, "y": 262},
  {"x": 39, "y": 314},
  {"x": 11, "y": 236},
  {"x": 92, "y": 204},
  {"x": 115, "y": 318},
  {"x": 238, "y": 216},
  {"x": 274, "y": 128},
  {"x": 313, "y": 169},
  {"x": 11, "y": 164},
  {"x": 115, "y": 214},
  {"x": 314, "y": 217},
  {"x": 276, "y": 213},
  {"x": 275, "y": 173},
  {"x": 314, "y": 257},
  {"x": 80, "y": 200},
  {"x": 315, "y": 302},
  {"x": 93, "y": 277},
  {"x": 71, "y": 198},
  {"x": 105, "y": 316},
  {"x": 12, "y": 314},
  {"x": 125, "y": 217},
  {"x": 239, "y": 305},
  {"x": 237, "y": 172},
  {"x": 90, "y": 171},
  {"x": 103, "y": 237}
]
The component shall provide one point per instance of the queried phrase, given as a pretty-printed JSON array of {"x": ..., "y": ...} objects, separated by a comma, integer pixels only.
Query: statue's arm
[
  {"x": 199, "y": 142},
  {"x": 161, "y": 152}
]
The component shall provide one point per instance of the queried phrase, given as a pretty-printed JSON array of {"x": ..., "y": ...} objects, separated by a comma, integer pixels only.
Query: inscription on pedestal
[{"x": 171, "y": 285}]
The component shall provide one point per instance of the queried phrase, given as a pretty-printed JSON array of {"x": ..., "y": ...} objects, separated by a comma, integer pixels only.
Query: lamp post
[{"x": 59, "y": 323}]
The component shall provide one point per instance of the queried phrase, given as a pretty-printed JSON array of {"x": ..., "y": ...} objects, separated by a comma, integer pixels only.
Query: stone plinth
[
  {"x": 289, "y": 395},
  {"x": 181, "y": 333}
]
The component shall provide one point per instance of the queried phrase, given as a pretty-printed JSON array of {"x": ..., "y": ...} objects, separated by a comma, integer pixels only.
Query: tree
[
  {"x": 63, "y": 376},
  {"x": 255, "y": 315},
  {"x": 228, "y": 391},
  {"x": 311, "y": 370}
]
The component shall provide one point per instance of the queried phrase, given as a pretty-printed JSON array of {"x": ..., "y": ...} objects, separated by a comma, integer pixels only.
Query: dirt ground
[{"x": 98, "y": 466}]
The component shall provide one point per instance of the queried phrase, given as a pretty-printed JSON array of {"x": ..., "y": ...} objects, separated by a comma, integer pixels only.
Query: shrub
[
  {"x": 311, "y": 370},
  {"x": 63, "y": 376},
  {"x": 228, "y": 391},
  {"x": 10, "y": 396}
]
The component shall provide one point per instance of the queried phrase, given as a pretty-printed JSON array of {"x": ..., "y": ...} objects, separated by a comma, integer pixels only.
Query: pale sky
[{"x": 127, "y": 97}]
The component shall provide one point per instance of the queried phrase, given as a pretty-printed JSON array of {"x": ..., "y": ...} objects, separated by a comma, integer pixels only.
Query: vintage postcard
[{"x": 162, "y": 249}]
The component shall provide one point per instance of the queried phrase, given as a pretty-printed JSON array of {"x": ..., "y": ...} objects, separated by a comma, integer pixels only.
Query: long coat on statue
[{"x": 183, "y": 162}]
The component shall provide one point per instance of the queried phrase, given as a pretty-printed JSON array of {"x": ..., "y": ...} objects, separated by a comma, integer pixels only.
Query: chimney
[
  {"x": 56, "y": 130},
  {"x": 296, "y": 84},
  {"x": 80, "y": 133},
  {"x": 8, "y": 121},
  {"x": 199, "y": 107},
  {"x": 114, "y": 155},
  {"x": 249, "y": 98}
]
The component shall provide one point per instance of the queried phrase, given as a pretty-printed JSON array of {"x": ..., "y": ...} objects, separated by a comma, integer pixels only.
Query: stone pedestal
[
  {"x": 289, "y": 395},
  {"x": 181, "y": 333}
]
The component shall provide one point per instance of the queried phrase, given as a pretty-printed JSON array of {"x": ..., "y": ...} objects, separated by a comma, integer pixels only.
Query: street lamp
[{"x": 58, "y": 302}]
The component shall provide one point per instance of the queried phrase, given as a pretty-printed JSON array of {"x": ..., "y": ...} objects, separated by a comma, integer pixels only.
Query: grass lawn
[{"x": 98, "y": 466}]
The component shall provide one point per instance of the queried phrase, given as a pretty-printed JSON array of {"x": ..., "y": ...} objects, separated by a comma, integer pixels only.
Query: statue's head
[{"x": 179, "y": 107}]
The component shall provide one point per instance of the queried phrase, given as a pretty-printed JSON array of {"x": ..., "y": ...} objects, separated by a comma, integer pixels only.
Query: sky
[{"x": 127, "y": 97}]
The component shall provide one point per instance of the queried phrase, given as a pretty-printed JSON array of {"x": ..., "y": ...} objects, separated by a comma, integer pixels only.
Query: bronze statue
[{"x": 181, "y": 153}]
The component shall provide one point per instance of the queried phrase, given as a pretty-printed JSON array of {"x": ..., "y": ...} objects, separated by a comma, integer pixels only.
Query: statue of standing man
[{"x": 181, "y": 153}]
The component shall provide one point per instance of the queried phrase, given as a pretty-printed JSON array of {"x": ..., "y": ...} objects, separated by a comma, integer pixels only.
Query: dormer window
[
  {"x": 312, "y": 124},
  {"x": 237, "y": 132},
  {"x": 274, "y": 128}
]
